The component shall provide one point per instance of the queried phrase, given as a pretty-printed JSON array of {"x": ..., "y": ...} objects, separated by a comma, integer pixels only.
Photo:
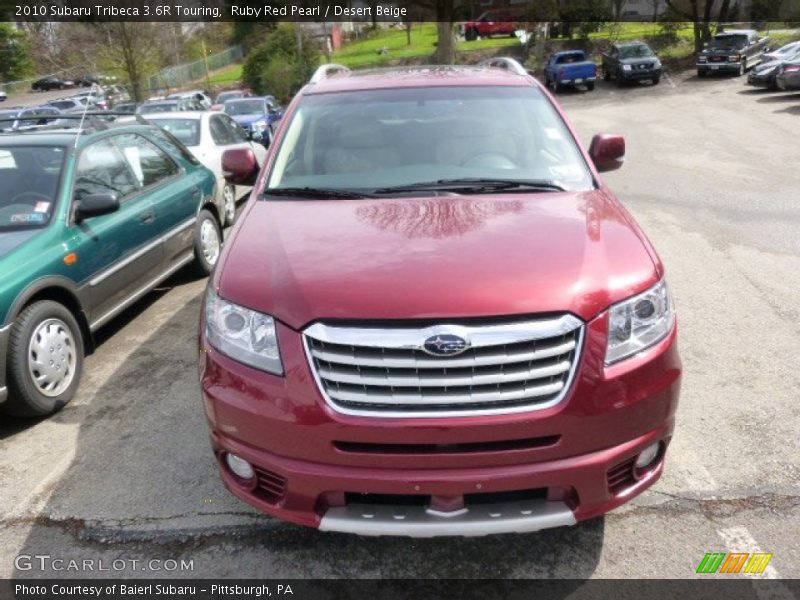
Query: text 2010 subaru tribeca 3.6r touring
[{"x": 434, "y": 317}]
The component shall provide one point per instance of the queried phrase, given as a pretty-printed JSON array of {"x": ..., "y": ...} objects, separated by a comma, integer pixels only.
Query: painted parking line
[
  {"x": 739, "y": 540},
  {"x": 669, "y": 80}
]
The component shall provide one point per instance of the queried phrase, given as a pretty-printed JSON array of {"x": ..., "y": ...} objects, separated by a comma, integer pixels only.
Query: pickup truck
[
  {"x": 631, "y": 61},
  {"x": 569, "y": 68},
  {"x": 732, "y": 51},
  {"x": 489, "y": 24}
]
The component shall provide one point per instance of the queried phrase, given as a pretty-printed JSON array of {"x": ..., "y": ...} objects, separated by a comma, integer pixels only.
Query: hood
[
  {"x": 435, "y": 258},
  {"x": 639, "y": 60},
  {"x": 11, "y": 240},
  {"x": 721, "y": 51},
  {"x": 249, "y": 119}
]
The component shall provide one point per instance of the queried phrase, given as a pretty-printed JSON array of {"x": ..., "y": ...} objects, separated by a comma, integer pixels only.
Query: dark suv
[
  {"x": 732, "y": 51},
  {"x": 631, "y": 61},
  {"x": 88, "y": 225}
]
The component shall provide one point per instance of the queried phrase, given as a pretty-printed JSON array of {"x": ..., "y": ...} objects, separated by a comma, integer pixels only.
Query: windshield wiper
[
  {"x": 477, "y": 185},
  {"x": 313, "y": 192}
]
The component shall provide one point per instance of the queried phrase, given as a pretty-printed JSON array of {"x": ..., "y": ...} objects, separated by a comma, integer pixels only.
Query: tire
[
  {"x": 555, "y": 87},
  {"x": 620, "y": 80},
  {"x": 742, "y": 68},
  {"x": 229, "y": 204},
  {"x": 45, "y": 345},
  {"x": 590, "y": 86},
  {"x": 656, "y": 80},
  {"x": 471, "y": 35},
  {"x": 606, "y": 74},
  {"x": 206, "y": 252},
  {"x": 701, "y": 73}
]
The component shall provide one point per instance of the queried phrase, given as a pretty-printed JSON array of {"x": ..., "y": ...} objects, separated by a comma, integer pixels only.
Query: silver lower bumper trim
[
  {"x": 3, "y": 394},
  {"x": 476, "y": 520}
]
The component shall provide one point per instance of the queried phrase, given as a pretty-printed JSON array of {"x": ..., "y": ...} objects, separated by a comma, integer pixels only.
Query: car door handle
[{"x": 148, "y": 217}]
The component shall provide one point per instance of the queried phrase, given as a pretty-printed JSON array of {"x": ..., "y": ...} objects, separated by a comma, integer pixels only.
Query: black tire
[
  {"x": 606, "y": 74},
  {"x": 204, "y": 262},
  {"x": 656, "y": 80},
  {"x": 590, "y": 86},
  {"x": 555, "y": 87},
  {"x": 701, "y": 73},
  {"x": 470, "y": 35},
  {"x": 620, "y": 79},
  {"x": 26, "y": 398}
]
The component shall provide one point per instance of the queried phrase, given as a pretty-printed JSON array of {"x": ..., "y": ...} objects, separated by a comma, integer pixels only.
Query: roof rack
[
  {"x": 504, "y": 62},
  {"x": 89, "y": 119},
  {"x": 327, "y": 70}
]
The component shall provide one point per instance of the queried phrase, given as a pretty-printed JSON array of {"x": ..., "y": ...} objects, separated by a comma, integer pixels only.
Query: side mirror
[
  {"x": 607, "y": 151},
  {"x": 240, "y": 166},
  {"x": 96, "y": 205}
]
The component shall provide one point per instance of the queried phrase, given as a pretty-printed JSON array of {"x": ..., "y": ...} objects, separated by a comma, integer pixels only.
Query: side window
[
  {"x": 150, "y": 164},
  {"x": 237, "y": 133},
  {"x": 102, "y": 170},
  {"x": 221, "y": 134},
  {"x": 174, "y": 146}
]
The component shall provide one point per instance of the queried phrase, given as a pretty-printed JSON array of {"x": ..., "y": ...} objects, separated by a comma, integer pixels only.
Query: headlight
[
  {"x": 639, "y": 322},
  {"x": 259, "y": 126},
  {"x": 242, "y": 334},
  {"x": 626, "y": 67},
  {"x": 734, "y": 58},
  {"x": 657, "y": 64},
  {"x": 703, "y": 59}
]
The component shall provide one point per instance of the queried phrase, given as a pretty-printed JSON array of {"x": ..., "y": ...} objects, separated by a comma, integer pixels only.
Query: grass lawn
[
  {"x": 227, "y": 76},
  {"x": 367, "y": 52}
]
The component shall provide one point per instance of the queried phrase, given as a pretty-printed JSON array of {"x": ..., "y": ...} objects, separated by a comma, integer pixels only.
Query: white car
[
  {"x": 198, "y": 95},
  {"x": 3, "y": 96},
  {"x": 207, "y": 135}
]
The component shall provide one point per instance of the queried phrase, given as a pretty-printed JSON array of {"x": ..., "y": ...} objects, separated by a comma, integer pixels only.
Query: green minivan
[{"x": 92, "y": 217}]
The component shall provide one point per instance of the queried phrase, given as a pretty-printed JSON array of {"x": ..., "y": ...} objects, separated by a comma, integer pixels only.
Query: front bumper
[
  {"x": 324, "y": 469},
  {"x": 640, "y": 74},
  {"x": 578, "y": 81},
  {"x": 4, "y": 333},
  {"x": 720, "y": 67}
]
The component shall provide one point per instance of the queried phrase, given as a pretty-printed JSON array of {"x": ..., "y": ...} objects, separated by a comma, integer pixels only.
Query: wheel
[
  {"x": 606, "y": 74},
  {"x": 701, "y": 73},
  {"x": 590, "y": 86},
  {"x": 620, "y": 80},
  {"x": 555, "y": 87},
  {"x": 656, "y": 80},
  {"x": 471, "y": 35},
  {"x": 207, "y": 243},
  {"x": 45, "y": 360},
  {"x": 229, "y": 204},
  {"x": 742, "y": 67}
]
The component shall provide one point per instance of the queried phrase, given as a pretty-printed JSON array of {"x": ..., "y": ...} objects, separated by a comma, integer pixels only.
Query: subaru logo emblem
[{"x": 445, "y": 344}]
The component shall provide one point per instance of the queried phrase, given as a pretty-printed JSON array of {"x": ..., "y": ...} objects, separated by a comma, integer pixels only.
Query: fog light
[
  {"x": 648, "y": 456},
  {"x": 239, "y": 466}
]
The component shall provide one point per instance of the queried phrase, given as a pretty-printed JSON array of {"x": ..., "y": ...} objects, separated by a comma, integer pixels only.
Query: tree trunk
[
  {"x": 408, "y": 33},
  {"x": 446, "y": 46}
]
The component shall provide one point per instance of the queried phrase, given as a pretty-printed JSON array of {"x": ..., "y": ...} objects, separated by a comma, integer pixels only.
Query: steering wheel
[
  {"x": 36, "y": 195},
  {"x": 491, "y": 159}
]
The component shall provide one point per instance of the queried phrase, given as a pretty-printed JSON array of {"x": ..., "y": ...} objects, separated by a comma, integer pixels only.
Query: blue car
[{"x": 256, "y": 115}]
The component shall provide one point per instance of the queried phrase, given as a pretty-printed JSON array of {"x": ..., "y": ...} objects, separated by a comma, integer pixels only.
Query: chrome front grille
[{"x": 508, "y": 367}]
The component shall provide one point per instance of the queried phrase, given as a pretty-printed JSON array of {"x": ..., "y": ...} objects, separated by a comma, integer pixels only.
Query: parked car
[
  {"x": 127, "y": 107},
  {"x": 69, "y": 105},
  {"x": 489, "y": 24},
  {"x": 207, "y": 135},
  {"x": 46, "y": 84},
  {"x": 384, "y": 298},
  {"x": 258, "y": 116},
  {"x": 198, "y": 95},
  {"x": 27, "y": 118},
  {"x": 87, "y": 80},
  {"x": 88, "y": 225},
  {"x": 733, "y": 51},
  {"x": 785, "y": 52},
  {"x": 167, "y": 105},
  {"x": 223, "y": 97},
  {"x": 766, "y": 73},
  {"x": 631, "y": 61},
  {"x": 788, "y": 76},
  {"x": 569, "y": 68}
]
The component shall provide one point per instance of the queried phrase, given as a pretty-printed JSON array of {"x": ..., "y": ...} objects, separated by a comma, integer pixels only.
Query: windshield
[
  {"x": 729, "y": 42},
  {"x": 29, "y": 180},
  {"x": 368, "y": 140},
  {"x": 186, "y": 130},
  {"x": 161, "y": 107},
  {"x": 224, "y": 96},
  {"x": 638, "y": 51},
  {"x": 63, "y": 104},
  {"x": 244, "y": 107}
]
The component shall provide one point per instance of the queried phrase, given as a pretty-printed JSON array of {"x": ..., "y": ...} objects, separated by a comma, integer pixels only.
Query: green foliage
[
  {"x": 283, "y": 63},
  {"x": 15, "y": 63}
]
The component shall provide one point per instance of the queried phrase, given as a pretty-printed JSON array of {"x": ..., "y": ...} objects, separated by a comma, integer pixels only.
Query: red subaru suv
[{"x": 433, "y": 316}]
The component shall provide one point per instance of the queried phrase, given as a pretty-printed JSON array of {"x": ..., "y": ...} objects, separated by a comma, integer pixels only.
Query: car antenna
[{"x": 83, "y": 116}]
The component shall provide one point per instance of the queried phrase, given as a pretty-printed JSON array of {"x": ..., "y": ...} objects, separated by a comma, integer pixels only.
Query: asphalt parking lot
[{"x": 125, "y": 471}]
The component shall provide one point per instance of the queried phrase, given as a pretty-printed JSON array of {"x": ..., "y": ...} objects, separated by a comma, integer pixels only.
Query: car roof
[
  {"x": 180, "y": 114},
  {"x": 736, "y": 32},
  {"x": 631, "y": 43},
  {"x": 419, "y": 76},
  {"x": 66, "y": 137}
]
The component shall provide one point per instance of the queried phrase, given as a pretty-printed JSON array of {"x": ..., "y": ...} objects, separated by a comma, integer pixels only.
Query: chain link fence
[{"x": 180, "y": 75}]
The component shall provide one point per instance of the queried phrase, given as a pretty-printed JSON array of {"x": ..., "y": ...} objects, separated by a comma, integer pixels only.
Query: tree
[
  {"x": 14, "y": 59},
  {"x": 133, "y": 48},
  {"x": 283, "y": 63}
]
